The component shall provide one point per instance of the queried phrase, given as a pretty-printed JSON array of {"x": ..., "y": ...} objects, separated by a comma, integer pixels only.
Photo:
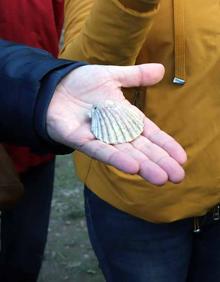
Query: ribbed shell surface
[{"x": 116, "y": 123}]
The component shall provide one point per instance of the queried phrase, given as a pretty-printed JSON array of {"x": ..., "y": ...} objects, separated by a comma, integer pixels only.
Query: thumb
[{"x": 138, "y": 75}]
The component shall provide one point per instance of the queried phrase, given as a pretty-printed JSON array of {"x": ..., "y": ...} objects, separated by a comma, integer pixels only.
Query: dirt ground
[{"x": 69, "y": 256}]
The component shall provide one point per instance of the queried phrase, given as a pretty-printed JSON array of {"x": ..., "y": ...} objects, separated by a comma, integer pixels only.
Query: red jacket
[{"x": 37, "y": 23}]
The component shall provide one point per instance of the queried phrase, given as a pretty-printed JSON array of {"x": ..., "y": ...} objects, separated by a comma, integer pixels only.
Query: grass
[{"x": 69, "y": 256}]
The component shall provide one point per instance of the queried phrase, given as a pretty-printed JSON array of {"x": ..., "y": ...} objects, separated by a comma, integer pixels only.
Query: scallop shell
[{"x": 116, "y": 122}]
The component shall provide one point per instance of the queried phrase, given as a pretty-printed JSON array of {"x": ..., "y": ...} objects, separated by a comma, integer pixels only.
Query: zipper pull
[
  {"x": 196, "y": 225},
  {"x": 216, "y": 213}
]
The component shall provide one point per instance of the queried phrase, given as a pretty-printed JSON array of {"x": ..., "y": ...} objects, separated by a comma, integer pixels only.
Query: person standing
[
  {"x": 141, "y": 232},
  {"x": 24, "y": 228}
]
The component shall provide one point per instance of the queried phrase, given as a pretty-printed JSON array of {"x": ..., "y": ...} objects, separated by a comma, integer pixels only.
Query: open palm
[{"x": 154, "y": 155}]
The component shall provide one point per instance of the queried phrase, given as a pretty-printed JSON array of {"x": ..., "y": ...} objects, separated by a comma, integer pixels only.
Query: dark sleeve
[{"x": 28, "y": 78}]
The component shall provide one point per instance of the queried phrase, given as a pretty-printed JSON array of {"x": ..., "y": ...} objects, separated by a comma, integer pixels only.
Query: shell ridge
[
  {"x": 112, "y": 122},
  {"x": 94, "y": 123},
  {"x": 134, "y": 131},
  {"x": 136, "y": 117},
  {"x": 129, "y": 128},
  {"x": 136, "y": 122},
  {"x": 133, "y": 113},
  {"x": 106, "y": 131},
  {"x": 122, "y": 126},
  {"x": 131, "y": 123},
  {"x": 116, "y": 123},
  {"x": 126, "y": 130},
  {"x": 99, "y": 125}
]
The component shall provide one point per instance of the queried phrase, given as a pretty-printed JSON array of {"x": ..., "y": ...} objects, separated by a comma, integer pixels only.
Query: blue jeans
[{"x": 133, "y": 250}]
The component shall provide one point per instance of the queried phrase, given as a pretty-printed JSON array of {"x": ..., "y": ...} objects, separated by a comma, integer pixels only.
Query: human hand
[{"x": 154, "y": 155}]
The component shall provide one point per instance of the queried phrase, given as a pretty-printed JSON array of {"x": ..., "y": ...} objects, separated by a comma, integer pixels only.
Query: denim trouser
[{"x": 133, "y": 250}]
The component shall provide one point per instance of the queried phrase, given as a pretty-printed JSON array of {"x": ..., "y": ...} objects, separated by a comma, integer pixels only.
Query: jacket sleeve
[
  {"x": 107, "y": 32},
  {"x": 28, "y": 78}
]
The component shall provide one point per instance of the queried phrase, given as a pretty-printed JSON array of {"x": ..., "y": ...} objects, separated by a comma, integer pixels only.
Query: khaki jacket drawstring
[
  {"x": 179, "y": 41},
  {"x": 180, "y": 60},
  {"x": 180, "y": 73}
]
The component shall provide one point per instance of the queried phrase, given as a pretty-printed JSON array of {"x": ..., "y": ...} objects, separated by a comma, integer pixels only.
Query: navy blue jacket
[{"x": 28, "y": 78}]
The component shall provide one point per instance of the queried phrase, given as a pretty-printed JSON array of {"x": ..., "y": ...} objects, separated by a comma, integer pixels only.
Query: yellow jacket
[{"x": 184, "y": 36}]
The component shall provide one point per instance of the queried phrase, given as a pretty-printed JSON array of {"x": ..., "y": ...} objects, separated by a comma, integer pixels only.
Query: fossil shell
[{"x": 116, "y": 122}]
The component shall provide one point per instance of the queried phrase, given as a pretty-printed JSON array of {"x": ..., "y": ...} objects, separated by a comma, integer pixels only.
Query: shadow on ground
[{"x": 68, "y": 256}]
